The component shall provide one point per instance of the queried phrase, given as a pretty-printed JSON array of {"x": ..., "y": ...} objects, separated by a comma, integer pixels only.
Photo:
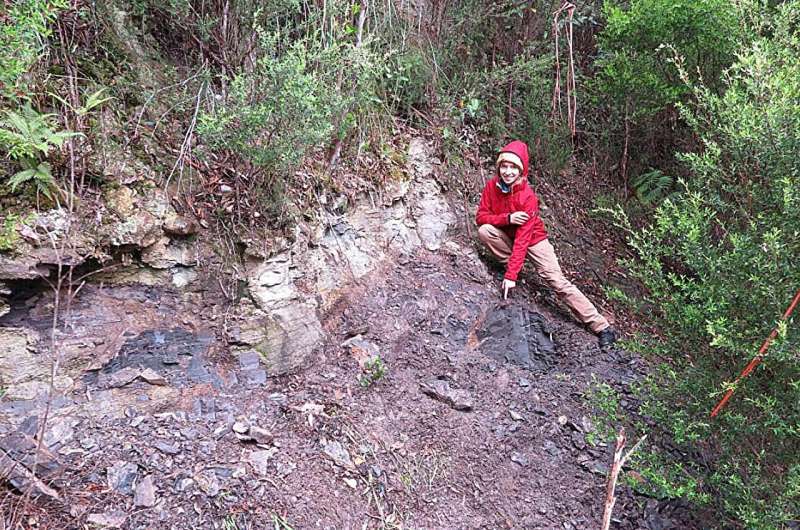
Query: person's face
[{"x": 509, "y": 172}]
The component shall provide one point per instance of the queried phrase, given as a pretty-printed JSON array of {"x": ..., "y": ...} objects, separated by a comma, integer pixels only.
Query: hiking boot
[{"x": 607, "y": 337}]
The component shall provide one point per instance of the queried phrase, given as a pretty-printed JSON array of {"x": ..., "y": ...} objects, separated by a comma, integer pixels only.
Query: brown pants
[{"x": 546, "y": 263}]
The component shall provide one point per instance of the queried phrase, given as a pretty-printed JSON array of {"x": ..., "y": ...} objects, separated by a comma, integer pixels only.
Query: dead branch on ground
[{"x": 619, "y": 462}]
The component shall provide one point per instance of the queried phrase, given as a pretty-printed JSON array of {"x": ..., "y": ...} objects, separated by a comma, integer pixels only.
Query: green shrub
[
  {"x": 8, "y": 233},
  {"x": 606, "y": 411},
  {"x": 374, "y": 371},
  {"x": 406, "y": 81},
  {"x": 301, "y": 93},
  {"x": 649, "y": 54},
  {"x": 23, "y": 38},
  {"x": 638, "y": 44},
  {"x": 720, "y": 263},
  {"x": 274, "y": 115},
  {"x": 653, "y": 186}
]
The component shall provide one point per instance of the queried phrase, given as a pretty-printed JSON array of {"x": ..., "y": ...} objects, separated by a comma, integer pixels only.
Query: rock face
[
  {"x": 20, "y": 268},
  {"x": 134, "y": 218},
  {"x": 290, "y": 289},
  {"x": 44, "y": 240},
  {"x": 275, "y": 329},
  {"x": 167, "y": 253},
  {"x": 128, "y": 218},
  {"x": 283, "y": 327},
  {"x": 432, "y": 214},
  {"x": 23, "y": 372},
  {"x": 430, "y": 210}
]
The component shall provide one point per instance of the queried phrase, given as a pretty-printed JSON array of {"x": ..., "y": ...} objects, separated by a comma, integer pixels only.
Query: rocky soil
[{"x": 369, "y": 376}]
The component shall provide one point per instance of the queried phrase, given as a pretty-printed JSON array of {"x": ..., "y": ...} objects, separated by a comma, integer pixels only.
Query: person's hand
[
  {"x": 507, "y": 284},
  {"x": 519, "y": 218}
]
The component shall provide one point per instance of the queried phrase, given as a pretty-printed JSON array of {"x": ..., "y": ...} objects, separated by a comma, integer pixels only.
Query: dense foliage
[{"x": 719, "y": 260}]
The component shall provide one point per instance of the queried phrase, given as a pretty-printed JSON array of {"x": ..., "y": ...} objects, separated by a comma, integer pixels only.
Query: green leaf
[{"x": 93, "y": 101}]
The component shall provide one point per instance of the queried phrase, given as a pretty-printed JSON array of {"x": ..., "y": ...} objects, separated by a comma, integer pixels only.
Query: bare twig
[
  {"x": 572, "y": 101},
  {"x": 153, "y": 95},
  {"x": 619, "y": 462},
  {"x": 187, "y": 139}
]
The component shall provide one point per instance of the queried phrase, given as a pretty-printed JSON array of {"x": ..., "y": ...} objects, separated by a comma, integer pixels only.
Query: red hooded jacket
[{"x": 496, "y": 206}]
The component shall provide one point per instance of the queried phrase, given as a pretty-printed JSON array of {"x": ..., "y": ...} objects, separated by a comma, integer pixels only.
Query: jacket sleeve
[
  {"x": 522, "y": 238},
  {"x": 485, "y": 216}
]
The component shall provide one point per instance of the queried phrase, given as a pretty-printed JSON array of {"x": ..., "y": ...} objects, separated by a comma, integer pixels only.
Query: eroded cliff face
[{"x": 142, "y": 273}]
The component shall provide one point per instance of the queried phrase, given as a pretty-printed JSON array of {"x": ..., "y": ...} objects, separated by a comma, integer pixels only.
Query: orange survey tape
[{"x": 762, "y": 352}]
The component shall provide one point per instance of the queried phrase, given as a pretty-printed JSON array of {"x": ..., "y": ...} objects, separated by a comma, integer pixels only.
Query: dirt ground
[{"x": 451, "y": 428}]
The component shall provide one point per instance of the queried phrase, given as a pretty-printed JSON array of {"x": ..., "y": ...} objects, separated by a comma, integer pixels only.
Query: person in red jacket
[{"x": 510, "y": 226}]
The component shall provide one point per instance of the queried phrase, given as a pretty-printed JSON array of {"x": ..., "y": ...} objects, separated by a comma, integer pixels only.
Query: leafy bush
[
  {"x": 405, "y": 81},
  {"x": 653, "y": 186},
  {"x": 274, "y": 115},
  {"x": 23, "y": 38},
  {"x": 639, "y": 40},
  {"x": 720, "y": 262},
  {"x": 647, "y": 52},
  {"x": 300, "y": 94}
]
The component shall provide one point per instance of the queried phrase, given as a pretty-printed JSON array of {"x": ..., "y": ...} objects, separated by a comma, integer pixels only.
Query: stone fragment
[
  {"x": 241, "y": 426},
  {"x": 145, "y": 494},
  {"x": 516, "y": 416},
  {"x": 336, "y": 452},
  {"x": 261, "y": 436},
  {"x": 586, "y": 424},
  {"x": 60, "y": 430},
  {"x": 260, "y": 460},
  {"x": 551, "y": 448},
  {"x": 519, "y": 458},
  {"x": 167, "y": 449},
  {"x": 121, "y": 476},
  {"x": 19, "y": 455},
  {"x": 183, "y": 484},
  {"x": 153, "y": 377},
  {"x": 120, "y": 378},
  {"x": 180, "y": 225},
  {"x": 440, "y": 390},
  {"x": 112, "y": 519},
  {"x": 208, "y": 482},
  {"x": 362, "y": 350}
]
